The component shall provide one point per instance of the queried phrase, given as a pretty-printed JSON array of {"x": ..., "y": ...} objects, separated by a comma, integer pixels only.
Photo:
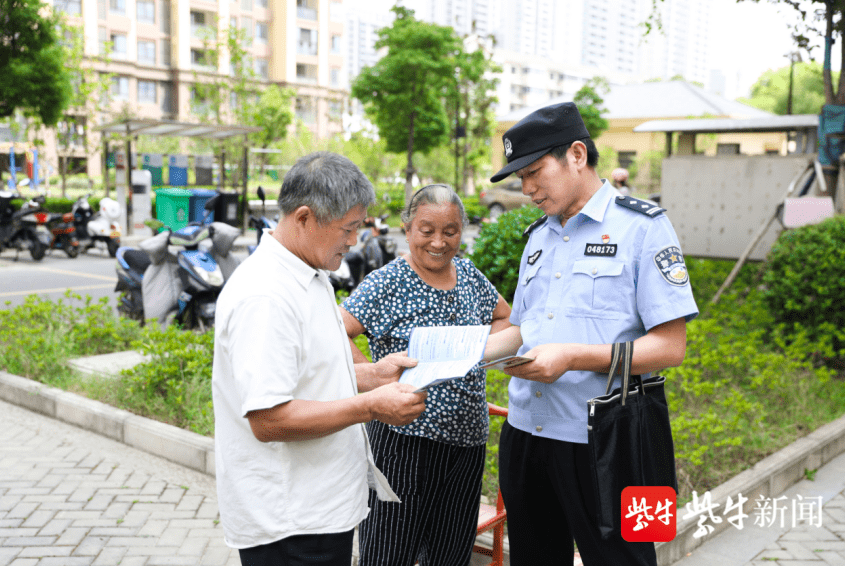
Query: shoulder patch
[
  {"x": 534, "y": 224},
  {"x": 639, "y": 205}
]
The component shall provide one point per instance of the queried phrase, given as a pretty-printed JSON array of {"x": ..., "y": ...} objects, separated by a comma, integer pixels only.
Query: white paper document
[{"x": 444, "y": 352}]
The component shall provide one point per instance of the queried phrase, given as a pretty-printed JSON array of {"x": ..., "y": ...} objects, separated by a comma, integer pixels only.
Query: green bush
[
  {"x": 805, "y": 280},
  {"x": 497, "y": 249},
  {"x": 39, "y": 336},
  {"x": 175, "y": 384}
]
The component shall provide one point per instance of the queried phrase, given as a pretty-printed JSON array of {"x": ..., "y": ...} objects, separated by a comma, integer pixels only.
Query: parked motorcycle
[
  {"x": 379, "y": 248},
  {"x": 19, "y": 228},
  {"x": 101, "y": 229},
  {"x": 62, "y": 232},
  {"x": 260, "y": 223},
  {"x": 182, "y": 286}
]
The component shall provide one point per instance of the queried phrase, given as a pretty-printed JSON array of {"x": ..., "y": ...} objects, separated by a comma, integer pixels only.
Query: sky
[{"x": 749, "y": 39}]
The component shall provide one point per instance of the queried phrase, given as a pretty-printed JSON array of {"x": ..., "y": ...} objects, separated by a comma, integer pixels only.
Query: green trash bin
[{"x": 172, "y": 207}]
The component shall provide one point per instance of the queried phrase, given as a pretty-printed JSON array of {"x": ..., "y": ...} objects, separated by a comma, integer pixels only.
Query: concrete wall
[{"x": 717, "y": 204}]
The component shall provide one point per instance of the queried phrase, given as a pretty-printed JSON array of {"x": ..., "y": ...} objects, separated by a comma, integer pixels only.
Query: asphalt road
[{"x": 90, "y": 274}]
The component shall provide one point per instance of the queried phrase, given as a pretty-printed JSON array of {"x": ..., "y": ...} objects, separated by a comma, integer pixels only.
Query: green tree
[
  {"x": 469, "y": 99},
  {"x": 33, "y": 74},
  {"x": 771, "y": 91},
  {"x": 590, "y": 104},
  {"x": 403, "y": 92},
  {"x": 273, "y": 114}
]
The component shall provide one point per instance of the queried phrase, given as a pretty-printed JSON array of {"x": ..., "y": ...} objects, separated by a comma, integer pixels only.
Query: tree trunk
[
  {"x": 409, "y": 170},
  {"x": 840, "y": 89},
  {"x": 63, "y": 167},
  {"x": 829, "y": 95}
]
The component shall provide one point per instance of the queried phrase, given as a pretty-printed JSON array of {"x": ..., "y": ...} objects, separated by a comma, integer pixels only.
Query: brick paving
[
  {"x": 775, "y": 544},
  {"x": 69, "y": 497}
]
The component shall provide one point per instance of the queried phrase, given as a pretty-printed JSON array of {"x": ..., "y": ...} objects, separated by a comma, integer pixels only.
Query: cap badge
[
  {"x": 508, "y": 147},
  {"x": 605, "y": 239}
]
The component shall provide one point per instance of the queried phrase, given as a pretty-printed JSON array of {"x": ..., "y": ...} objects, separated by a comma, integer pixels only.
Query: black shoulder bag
[{"x": 629, "y": 437}]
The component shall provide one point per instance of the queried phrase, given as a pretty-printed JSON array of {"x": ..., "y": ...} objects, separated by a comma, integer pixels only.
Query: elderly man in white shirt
[{"x": 293, "y": 462}]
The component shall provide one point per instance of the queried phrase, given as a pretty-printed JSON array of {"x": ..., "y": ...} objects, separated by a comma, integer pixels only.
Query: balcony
[{"x": 306, "y": 13}]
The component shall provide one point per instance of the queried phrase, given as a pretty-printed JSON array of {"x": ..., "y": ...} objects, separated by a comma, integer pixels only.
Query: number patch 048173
[{"x": 601, "y": 250}]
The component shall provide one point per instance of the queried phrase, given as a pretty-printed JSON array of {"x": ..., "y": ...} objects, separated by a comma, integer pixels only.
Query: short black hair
[{"x": 592, "y": 152}]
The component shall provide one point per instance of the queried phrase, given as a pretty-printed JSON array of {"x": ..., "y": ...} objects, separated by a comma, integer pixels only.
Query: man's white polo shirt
[{"x": 278, "y": 337}]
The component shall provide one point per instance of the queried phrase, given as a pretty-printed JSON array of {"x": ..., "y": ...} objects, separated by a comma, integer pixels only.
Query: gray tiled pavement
[
  {"x": 71, "y": 497},
  {"x": 801, "y": 545}
]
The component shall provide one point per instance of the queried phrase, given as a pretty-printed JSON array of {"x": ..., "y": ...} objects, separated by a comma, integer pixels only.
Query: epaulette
[
  {"x": 534, "y": 224},
  {"x": 639, "y": 205}
]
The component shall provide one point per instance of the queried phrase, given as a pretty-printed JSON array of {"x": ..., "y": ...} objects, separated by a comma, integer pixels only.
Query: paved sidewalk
[
  {"x": 801, "y": 545},
  {"x": 70, "y": 497}
]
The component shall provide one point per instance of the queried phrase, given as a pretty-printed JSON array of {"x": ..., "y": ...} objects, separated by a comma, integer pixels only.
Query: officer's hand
[
  {"x": 389, "y": 369},
  {"x": 550, "y": 362},
  {"x": 396, "y": 403}
]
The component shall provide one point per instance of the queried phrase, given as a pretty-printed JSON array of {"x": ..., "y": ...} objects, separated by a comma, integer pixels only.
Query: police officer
[{"x": 598, "y": 268}]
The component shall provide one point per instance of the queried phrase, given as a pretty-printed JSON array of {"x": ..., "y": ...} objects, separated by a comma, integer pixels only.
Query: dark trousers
[
  {"x": 440, "y": 488},
  {"x": 550, "y": 496},
  {"x": 334, "y": 549}
]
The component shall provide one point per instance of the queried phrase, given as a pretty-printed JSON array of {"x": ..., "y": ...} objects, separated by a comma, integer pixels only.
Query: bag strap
[
  {"x": 627, "y": 358},
  {"x": 621, "y": 352},
  {"x": 615, "y": 352}
]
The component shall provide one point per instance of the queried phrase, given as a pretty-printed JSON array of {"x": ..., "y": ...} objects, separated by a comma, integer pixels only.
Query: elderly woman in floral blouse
[{"x": 436, "y": 463}]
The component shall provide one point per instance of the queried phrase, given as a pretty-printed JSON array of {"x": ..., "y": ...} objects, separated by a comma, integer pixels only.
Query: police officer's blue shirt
[{"x": 610, "y": 275}]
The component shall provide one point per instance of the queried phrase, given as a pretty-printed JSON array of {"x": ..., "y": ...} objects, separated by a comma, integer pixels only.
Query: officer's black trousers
[
  {"x": 334, "y": 549},
  {"x": 549, "y": 495}
]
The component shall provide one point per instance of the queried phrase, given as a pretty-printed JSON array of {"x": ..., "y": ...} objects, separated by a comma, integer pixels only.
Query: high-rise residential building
[{"x": 158, "y": 50}]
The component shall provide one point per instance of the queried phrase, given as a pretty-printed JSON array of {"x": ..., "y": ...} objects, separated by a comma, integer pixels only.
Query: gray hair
[
  {"x": 327, "y": 183},
  {"x": 433, "y": 194}
]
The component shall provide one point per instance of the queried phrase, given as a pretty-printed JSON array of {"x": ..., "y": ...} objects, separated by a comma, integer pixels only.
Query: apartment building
[{"x": 156, "y": 51}]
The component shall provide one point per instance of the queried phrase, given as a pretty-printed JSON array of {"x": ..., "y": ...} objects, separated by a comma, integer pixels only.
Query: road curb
[{"x": 770, "y": 477}]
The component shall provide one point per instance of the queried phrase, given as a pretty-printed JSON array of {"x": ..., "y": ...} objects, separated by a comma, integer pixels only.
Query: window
[
  {"x": 727, "y": 149},
  {"x": 306, "y": 73},
  {"x": 305, "y": 110},
  {"x": 102, "y": 9},
  {"x": 200, "y": 58},
  {"x": 335, "y": 109},
  {"x": 103, "y": 38},
  {"x": 307, "y": 42},
  {"x": 70, "y": 7},
  {"x": 626, "y": 158},
  {"x": 146, "y": 52},
  {"x": 246, "y": 25},
  {"x": 335, "y": 77},
  {"x": 261, "y": 31},
  {"x": 118, "y": 44},
  {"x": 164, "y": 10},
  {"x": 198, "y": 24},
  {"x": 146, "y": 11},
  {"x": 336, "y": 44},
  {"x": 306, "y": 9},
  {"x": 146, "y": 92},
  {"x": 199, "y": 104},
  {"x": 262, "y": 68},
  {"x": 120, "y": 88},
  {"x": 117, "y": 6},
  {"x": 165, "y": 52},
  {"x": 167, "y": 97},
  {"x": 261, "y": 3},
  {"x": 246, "y": 5}
]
